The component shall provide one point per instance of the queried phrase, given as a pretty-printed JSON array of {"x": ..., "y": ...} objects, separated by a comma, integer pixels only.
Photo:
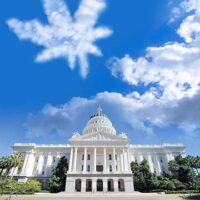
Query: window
[
  {"x": 99, "y": 168},
  {"x": 161, "y": 160},
  {"x": 116, "y": 168},
  {"x": 115, "y": 156},
  {"x": 110, "y": 157},
  {"x": 82, "y": 168},
  {"x": 83, "y": 157},
  {"x": 88, "y": 168},
  {"x": 43, "y": 172},
  {"x": 88, "y": 157},
  {"x": 19, "y": 170},
  {"x": 45, "y": 159},
  {"x": 54, "y": 159},
  {"x": 110, "y": 168}
]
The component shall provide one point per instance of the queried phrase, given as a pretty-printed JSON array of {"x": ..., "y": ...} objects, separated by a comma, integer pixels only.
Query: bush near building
[
  {"x": 184, "y": 176},
  {"x": 11, "y": 186}
]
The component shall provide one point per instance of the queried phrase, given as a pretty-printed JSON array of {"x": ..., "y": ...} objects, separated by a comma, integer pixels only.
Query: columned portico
[{"x": 99, "y": 159}]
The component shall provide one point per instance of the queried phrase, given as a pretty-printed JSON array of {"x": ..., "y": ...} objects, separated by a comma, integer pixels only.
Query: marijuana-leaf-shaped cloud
[{"x": 65, "y": 36}]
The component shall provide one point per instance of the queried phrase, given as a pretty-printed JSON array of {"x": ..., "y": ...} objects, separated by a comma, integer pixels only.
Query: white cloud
[
  {"x": 65, "y": 36},
  {"x": 171, "y": 71},
  {"x": 171, "y": 76},
  {"x": 131, "y": 113}
]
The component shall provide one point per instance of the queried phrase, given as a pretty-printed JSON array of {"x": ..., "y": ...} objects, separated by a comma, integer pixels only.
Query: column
[
  {"x": 48, "y": 166},
  {"x": 30, "y": 164},
  {"x": 75, "y": 159},
  {"x": 128, "y": 160},
  {"x": 16, "y": 170},
  {"x": 124, "y": 159},
  {"x": 115, "y": 185},
  {"x": 166, "y": 164},
  {"x": 122, "y": 162},
  {"x": 71, "y": 160},
  {"x": 141, "y": 158},
  {"x": 11, "y": 173},
  {"x": 40, "y": 164},
  {"x": 158, "y": 164},
  {"x": 167, "y": 157},
  {"x": 24, "y": 164},
  {"x": 149, "y": 158},
  {"x": 95, "y": 160},
  {"x": 85, "y": 160},
  {"x": 104, "y": 165},
  {"x": 83, "y": 185},
  {"x": 105, "y": 185},
  {"x": 114, "y": 160},
  {"x": 94, "y": 185}
]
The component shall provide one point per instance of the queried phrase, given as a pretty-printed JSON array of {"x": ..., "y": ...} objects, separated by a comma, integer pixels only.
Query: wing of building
[{"x": 99, "y": 158}]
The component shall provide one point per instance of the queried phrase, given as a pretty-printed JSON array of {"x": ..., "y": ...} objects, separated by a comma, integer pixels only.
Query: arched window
[
  {"x": 88, "y": 185},
  {"x": 99, "y": 185},
  {"x": 121, "y": 187},
  {"x": 110, "y": 185},
  {"x": 78, "y": 185}
]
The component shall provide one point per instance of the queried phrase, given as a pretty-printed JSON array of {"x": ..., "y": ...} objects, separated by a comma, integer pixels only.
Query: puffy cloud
[
  {"x": 132, "y": 112},
  {"x": 65, "y": 36},
  {"x": 171, "y": 71}
]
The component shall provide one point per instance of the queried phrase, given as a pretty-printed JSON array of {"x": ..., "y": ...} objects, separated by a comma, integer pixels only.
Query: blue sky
[{"x": 141, "y": 89}]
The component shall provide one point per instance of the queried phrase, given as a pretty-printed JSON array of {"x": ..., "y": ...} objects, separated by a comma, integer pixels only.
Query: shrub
[
  {"x": 12, "y": 186},
  {"x": 178, "y": 185},
  {"x": 33, "y": 186},
  {"x": 165, "y": 183},
  {"x": 181, "y": 192}
]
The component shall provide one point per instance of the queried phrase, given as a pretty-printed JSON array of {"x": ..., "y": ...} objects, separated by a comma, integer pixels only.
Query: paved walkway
[{"x": 63, "y": 196}]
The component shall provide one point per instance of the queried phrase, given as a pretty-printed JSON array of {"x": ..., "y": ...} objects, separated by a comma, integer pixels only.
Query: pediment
[{"x": 98, "y": 137}]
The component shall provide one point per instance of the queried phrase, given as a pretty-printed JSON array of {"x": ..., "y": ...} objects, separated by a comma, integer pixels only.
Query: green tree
[
  {"x": 58, "y": 178},
  {"x": 195, "y": 164},
  {"x": 182, "y": 169},
  {"x": 144, "y": 180},
  {"x": 17, "y": 161},
  {"x": 8, "y": 162},
  {"x": 165, "y": 183},
  {"x": 197, "y": 183}
]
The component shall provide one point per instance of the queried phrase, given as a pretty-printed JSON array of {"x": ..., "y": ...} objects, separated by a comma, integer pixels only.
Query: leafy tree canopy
[{"x": 58, "y": 178}]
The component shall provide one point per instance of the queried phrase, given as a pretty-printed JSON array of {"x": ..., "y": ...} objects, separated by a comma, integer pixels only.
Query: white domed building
[{"x": 99, "y": 158}]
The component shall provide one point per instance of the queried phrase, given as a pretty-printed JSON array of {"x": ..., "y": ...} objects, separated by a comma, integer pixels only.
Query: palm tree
[
  {"x": 9, "y": 162},
  {"x": 2, "y": 165},
  {"x": 17, "y": 161}
]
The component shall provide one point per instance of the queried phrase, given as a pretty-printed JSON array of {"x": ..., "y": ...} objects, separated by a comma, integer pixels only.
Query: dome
[{"x": 99, "y": 122}]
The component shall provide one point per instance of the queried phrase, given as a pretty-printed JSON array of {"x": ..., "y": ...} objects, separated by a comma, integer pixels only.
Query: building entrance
[{"x": 99, "y": 185}]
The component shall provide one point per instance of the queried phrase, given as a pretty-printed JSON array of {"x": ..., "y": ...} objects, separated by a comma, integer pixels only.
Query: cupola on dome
[{"x": 99, "y": 122}]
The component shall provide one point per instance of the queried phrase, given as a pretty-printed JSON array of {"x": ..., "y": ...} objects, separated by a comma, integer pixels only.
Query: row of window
[
  {"x": 45, "y": 158},
  {"x": 109, "y": 157},
  {"x": 99, "y": 168},
  {"x": 152, "y": 159}
]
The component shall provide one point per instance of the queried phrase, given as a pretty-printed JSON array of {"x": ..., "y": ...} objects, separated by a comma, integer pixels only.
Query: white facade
[{"x": 99, "y": 159}]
